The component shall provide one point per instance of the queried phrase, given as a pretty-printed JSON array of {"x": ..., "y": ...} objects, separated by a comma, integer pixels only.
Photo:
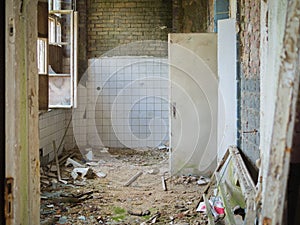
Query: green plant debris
[
  {"x": 119, "y": 210},
  {"x": 119, "y": 218},
  {"x": 119, "y": 214}
]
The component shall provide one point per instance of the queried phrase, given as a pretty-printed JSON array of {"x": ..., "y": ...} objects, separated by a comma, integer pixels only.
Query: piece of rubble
[
  {"x": 101, "y": 174},
  {"x": 153, "y": 171},
  {"x": 89, "y": 156},
  {"x": 74, "y": 163},
  {"x": 163, "y": 147},
  {"x": 141, "y": 213},
  {"x": 104, "y": 150},
  {"x": 201, "y": 207},
  {"x": 131, "y": 180},
  {"x": 83, "y": 172},
  {"x": 62, "y": 220},
  {"x": 92, "y": 164},
  {"x": 164, "y": 184},
  {"x": 203, "y": 180},
  {"x": 82, "y": 218}
]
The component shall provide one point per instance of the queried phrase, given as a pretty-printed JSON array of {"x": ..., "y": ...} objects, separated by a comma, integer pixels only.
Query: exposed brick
[
  {"x": 249, "y": 73},
  {"x": 117, "y": 22}
]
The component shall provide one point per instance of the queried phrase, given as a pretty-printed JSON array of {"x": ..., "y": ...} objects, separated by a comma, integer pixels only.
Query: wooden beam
[
  {"x": 22, "y": 144},
  {"x": 276, "y": 171}
]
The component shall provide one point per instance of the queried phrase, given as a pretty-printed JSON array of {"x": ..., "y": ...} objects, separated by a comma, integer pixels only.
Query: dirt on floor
[{"x": 105, "y": 199}]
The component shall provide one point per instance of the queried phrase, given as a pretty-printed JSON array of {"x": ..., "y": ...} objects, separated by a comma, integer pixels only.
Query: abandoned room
[{"x": 150, "y": 112}]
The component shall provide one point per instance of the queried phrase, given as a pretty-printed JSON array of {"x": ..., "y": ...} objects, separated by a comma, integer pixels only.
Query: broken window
[
  {"x": 42, "y": 55},
  {"x": 58, "y": 38},
  {"x": 54, "y": 30}
]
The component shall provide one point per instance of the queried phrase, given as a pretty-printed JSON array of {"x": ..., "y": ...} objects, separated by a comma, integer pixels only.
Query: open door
[{"x": 194, "y": 100}]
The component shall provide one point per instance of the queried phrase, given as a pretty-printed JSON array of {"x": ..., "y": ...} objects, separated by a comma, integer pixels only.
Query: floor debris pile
[{"x": 118, "y": 186}]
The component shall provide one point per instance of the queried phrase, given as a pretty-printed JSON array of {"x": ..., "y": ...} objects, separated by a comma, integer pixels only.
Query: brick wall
[
  {"x": 249, "y": 37},
  {"x": 82, "y": 37},
  {"x": 190, "y": 16},
  {"x": 210, "y": 22},
  {"x": 119, "y": 22}
]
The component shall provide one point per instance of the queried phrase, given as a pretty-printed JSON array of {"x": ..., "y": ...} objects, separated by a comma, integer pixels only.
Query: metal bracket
[{"x": 9, "y": 182}]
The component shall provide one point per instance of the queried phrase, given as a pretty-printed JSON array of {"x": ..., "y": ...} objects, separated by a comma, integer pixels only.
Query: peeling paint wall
[{"x": 249, "y": 37}]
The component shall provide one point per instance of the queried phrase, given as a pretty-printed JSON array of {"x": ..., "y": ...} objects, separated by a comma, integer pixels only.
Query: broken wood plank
[
  {"x": 228, "y": 208},
  {"x": 212, "y": 180},
  {"x": 83, "y": 194},
  {"x": 64, "y": 158},
  {"x": 56, "y": 161},
  {"x": 57, "y": 164},
  {"x": 131, "y": 180},
  {"x": 164, "y": 184},
  {"x": 211, "y": 220},
  {"x": 246, "y": 182},
  {"x": 153, "y": 218}
]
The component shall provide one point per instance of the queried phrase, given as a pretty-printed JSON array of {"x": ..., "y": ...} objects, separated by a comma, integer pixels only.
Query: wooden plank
[
  {"x": 32, "y": 108},
  {"x": 228, "y": 208},
  {"x": 132, "y": 179},
  {"x": 246, "y": 182},
  {"x": 22, "y": 144},
  {"x": 276, "y": 170},
  {"x": 211, "y": 220}
]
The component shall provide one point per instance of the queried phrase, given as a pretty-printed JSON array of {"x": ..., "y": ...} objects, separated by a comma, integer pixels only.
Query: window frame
[{"x": 73, "y": 42}]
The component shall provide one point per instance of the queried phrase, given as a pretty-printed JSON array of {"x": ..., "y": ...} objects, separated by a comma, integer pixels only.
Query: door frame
[{"x": 21, "y": 125}]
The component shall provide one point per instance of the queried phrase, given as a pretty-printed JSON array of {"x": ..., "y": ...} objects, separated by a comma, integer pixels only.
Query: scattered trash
[
  {"x": 203, "y": 180},
  {"x": 62, "y": 220},
  {"x": 164, "y": 184},
  {"x": 92, "y": 164},
  {"x": 145, "y": 213},
  {"x": 101, "y": 174},
  {"x": 152, "y": 219},
  {"x": 83, "y": 172},
  {"x": 163, "y": 147},
  {"x": 79, "y": 171},
  {"x": 82, "y": 218},
  {"x": 153, "y": 171},
  {"x": 216, "y": 206},
  {"x": 131, "y": 180},
  {"x": 74, "y": 163},
  {"x": 104, "y": 150},
  {"x": 201, "y": 207},
  {"x": 89, "y": 156},
  {"x": 185, "y": 179}
]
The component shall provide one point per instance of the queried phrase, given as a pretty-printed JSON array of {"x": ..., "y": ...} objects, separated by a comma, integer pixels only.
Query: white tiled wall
[
  {"x": 52, "y": 125},
  {"x": 126, "y": 102}
]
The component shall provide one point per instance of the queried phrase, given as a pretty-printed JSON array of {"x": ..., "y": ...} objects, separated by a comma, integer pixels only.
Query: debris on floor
[{"x": 125, "y": 187}]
